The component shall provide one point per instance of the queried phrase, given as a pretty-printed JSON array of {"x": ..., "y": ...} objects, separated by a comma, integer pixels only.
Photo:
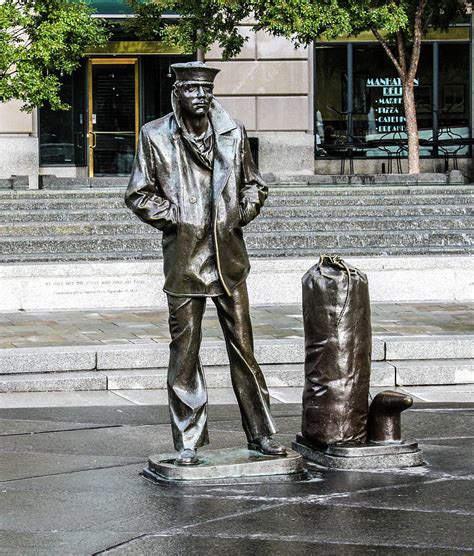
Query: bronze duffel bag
[{"x": 338, "y": 343}]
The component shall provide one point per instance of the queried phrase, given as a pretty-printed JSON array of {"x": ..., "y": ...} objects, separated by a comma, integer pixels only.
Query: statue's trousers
[{"x": 186, "y": 384}]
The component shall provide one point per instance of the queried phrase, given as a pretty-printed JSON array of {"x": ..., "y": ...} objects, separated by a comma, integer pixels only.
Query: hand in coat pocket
[{"x": 248, "y": 211}]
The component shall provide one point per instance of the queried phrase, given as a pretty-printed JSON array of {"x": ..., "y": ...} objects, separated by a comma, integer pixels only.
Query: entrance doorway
[{"x": 113, "y": 115}]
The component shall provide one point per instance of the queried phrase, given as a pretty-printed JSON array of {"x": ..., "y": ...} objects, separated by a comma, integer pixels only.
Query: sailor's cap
[{"x": 195, "y": 72}]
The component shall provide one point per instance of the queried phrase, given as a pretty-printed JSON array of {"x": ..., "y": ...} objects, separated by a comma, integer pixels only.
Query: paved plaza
[
  {"x": 70, "y": 461},
  {"x": 135, "y": 326},
  {"x": 71, "y": 485}
]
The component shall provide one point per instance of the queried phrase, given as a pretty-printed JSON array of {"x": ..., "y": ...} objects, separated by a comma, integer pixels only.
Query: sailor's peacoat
[{"x": 158, "y": 194}]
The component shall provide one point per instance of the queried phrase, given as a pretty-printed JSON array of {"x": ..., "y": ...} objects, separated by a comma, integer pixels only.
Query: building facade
[{"x": 312, "y": 109}]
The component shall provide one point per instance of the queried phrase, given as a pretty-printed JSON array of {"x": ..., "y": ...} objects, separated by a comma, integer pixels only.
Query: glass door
[{"x": 113, "y": 115}]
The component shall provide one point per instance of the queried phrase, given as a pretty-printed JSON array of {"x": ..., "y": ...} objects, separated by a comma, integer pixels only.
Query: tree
[
  {"x": 41, "y": 40},
  {"x": 398, "y": 25}
]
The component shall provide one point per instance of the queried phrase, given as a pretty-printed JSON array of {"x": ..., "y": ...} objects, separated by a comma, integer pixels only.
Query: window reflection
[
  {"x": 453, "y": 114},
  {"x": 157, "y": 85},
  {"x": 361, "y": 107},
  {"x": 62, "y": 137},
  {"x": 379, "y": 113},
  {"x": 331, "y": 108}
]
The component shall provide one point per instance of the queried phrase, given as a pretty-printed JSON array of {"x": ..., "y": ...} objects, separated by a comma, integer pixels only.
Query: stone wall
[
  {"x": 138, "y": 284},
  {"x": 18, "y": 143},
  {"x": 268, "y": 87}
]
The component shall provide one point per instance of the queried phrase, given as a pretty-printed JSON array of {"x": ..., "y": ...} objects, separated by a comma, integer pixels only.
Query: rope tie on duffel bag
[{"x": 335, "y": 260}]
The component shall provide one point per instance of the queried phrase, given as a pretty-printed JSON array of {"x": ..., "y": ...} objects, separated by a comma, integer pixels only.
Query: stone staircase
[
  {"x": 83, "y": 225},
  {"x": 396, "y": 361}
]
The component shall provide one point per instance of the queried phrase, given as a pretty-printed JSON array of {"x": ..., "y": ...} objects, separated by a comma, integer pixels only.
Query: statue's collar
[{"x": 220, "y": 119}]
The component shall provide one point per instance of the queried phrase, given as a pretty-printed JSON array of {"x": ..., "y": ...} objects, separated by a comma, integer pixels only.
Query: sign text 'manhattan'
[{"x": 387, "y": 82}]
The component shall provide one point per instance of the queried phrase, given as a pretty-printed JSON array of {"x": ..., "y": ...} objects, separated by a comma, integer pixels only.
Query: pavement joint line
[
  {"x": 34, "y": 477},
  {"x": 396, "y": 509},
  {"x": 311, "y": 499},
  {"x": 312, "y": 540},
  {"x": 323, "y": 498},
  {"x": 427, "y": 439},
  {"x": 123, "y": 543},
  {"x": 469, "y": 408},
  {"x": 185, "y": 528},
  {"x": 95, "y": 427},
  {"x": 124, "y": 397}
]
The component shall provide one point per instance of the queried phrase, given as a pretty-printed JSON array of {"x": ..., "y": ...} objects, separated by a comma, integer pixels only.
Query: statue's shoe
[
  {"x": 267, "y": 446},
  {"x": 188, "y": 456}
]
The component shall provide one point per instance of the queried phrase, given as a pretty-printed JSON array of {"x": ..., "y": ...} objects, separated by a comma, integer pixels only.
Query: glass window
[
  {"x": 331, "y": 99},
  {"x": 61, "y": 133},
  {"x": 363, "y": 105},
  {"x": 378, "y": 112},
  {"x": 158, "y": 79},
  {"x": 454, "y": 106}
]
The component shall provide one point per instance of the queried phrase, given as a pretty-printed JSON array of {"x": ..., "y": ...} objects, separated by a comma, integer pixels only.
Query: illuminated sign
[{"x": 388, "y": 103}]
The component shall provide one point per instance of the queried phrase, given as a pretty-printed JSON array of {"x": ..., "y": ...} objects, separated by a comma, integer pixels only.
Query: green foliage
[
  {"x": 305, "y": 20},
  {"x": 41, "y": 40},
  {"x": 301, "y": 21},
  {"x": 201, "y": 23}
]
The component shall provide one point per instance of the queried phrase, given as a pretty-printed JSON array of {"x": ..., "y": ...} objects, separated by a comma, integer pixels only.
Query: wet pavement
[
  {"x": 70, "y": 462},
  {"x": 70, "y": 485},
  {"x": 61, "y": 328}
]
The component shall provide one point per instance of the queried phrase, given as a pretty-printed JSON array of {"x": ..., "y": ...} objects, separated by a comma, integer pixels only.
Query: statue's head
[{"x": 193, "y": 87}]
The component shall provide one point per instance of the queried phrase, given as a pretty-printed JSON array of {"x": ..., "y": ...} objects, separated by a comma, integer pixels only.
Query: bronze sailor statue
[{"x": 195, "y": 180}]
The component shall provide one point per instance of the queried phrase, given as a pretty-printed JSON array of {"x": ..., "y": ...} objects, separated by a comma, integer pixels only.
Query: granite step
[
  {"x": 434, "y": 371},
  {"x": 323, "y": 240},
  {"x": 67, "y": 203},
  {"x": 53, "y": 359},
  {"x": 372, "y": 251},
  {"x": 288, "y": 351},
  {"x": 372, "y": 200},
  {"x": 354, "y": 223},
  {"x": 317, "y": 240},
  {"x": 121, "y": 214},
  {"x": 396, "y": 361},
  {"x": 155, "y": 255},
  {"x": 276, "y": 375},
  {"x": 383, "y": 374},
  {"x": 291, "y": 189},
  {"x": 428, "y": 348},
  {"x": 264, "y": 224},
  {"x": 95, "y": 225},
  {"x": 70, "y": 193},
  {"x": 372, "y": 210},
  {"x": 53, "y": 382}
]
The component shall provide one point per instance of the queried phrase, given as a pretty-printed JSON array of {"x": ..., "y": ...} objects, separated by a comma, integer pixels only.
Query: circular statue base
[
  {"x": 362, "y": 456},
  {"x": 226, "y": 466}
]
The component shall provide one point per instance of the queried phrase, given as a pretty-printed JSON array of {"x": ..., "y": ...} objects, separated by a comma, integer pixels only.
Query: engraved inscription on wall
[{"x": 90, "y": 286}]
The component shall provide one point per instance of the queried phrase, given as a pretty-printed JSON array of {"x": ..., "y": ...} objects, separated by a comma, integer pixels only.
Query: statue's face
[{"x": 195, "y": 100}]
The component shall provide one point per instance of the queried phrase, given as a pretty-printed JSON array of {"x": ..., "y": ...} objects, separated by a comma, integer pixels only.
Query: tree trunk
[
  {"x": 200, "y": 55},
  {"x": 412, "y": 127}
]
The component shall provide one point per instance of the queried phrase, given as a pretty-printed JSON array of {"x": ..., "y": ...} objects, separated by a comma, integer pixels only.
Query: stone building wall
[
  {"x": 18, "y": 143},
  {"x": 268, "y": 87}
]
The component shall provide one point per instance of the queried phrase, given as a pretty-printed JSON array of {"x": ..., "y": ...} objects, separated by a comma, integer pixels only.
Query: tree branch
[
  {"x": 16, "y": 33},
  {"x": 402, "y": 55},
  {"x": 6, "y": 71},
  {"x": 385, "y": 46}
]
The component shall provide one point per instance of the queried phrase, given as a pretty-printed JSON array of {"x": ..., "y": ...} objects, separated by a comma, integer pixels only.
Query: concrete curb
[{"x": 397, "y": 361}]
